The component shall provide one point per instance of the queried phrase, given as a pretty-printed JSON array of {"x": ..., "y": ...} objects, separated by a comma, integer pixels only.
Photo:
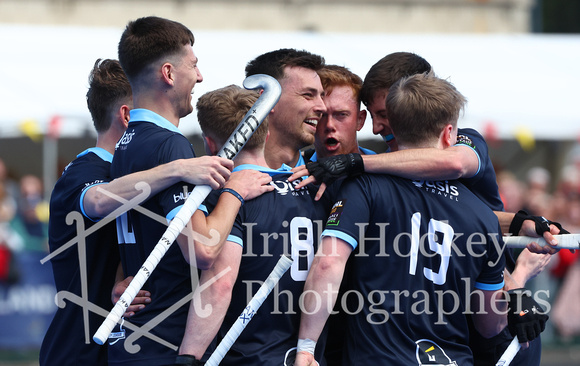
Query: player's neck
[
  {"x": 160, "y": 106},
  {"x": 278, "y": 154},
  {"x": 107, "y": 142},
  {"x": 251, "y": 157}
]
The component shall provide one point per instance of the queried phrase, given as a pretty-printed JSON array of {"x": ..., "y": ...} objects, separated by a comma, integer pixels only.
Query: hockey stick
[
  {"x": 231, "y": 148},
  {"x": 565, "y": 241},
  {"x": 509, "y": 354},
  {"x": 234, "y": 332}
]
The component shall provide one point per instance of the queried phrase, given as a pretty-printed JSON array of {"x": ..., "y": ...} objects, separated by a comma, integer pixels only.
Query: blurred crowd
[
  {"x": 557, "y": 199},
  {"x": 23, "y": 220}
]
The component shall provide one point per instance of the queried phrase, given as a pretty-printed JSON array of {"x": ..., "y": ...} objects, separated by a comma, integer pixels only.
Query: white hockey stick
[
  {"x": 231, "y": 148},
  {"x": 509, "y": 353},
  {"x": 565, "y": 241},
  {"x": 234, "y": 332}
]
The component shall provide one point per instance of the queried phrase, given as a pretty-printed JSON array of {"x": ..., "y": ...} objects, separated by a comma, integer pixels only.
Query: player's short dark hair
[
  {"x": 420, "y": 106},
  {"x": 332, "y": 76},
  {"x": 150, "y": 39},
  {"x": 273, "y": 63},
  {"x": 388, "y": 70},
  {"x": 109, "y": 88},
  {"x": 220, "y": 111}
]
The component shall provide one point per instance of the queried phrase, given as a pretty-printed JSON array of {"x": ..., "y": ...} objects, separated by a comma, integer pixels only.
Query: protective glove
[
  {"x": 526, "y": 318},
  {"x": 542, "y": 224},
  {"x": 327, "y": 170}
]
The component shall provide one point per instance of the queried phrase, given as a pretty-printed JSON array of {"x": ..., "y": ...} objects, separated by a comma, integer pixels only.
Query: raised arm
[
  {"x": 208, "y": 234},
  {"x": 455, "y": 162},
  {"x": 211, "y": 170}
]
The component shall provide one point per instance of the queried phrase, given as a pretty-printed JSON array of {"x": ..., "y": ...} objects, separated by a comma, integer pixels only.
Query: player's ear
[
  {"x": 167, "y": 74},
  {"x": 211, "y": 147},
  {"x": 448, "y": 136},
  {"x": 124, "y": 113},
  {"x": 361, "y": 118}
]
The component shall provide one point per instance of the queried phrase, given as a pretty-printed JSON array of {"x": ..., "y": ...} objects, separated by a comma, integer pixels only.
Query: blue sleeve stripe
[
  {"x": 478, "y": 159},
  {"x": 340, "y": 235},
  {"x": 172, "y": 213},
  {"x": 236, "y": 239},
  {"x": 81, "y": 203},
  {"x": 489, "y": 286}
]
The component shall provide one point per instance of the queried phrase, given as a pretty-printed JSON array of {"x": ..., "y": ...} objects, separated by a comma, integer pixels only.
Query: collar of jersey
[
  {"x": 100, "y": 152},
  {"x": 140, "y": 114},
  {"x": 314, "y": 157},
  {"x": 284, "y": 169}
]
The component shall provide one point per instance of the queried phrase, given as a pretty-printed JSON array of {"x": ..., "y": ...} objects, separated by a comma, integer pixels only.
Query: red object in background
[
  {"x": 54, "y": 126},
  {"x": 4, "y": 262},
  {"x": 490, "y": 133},
  {"x": 565, "y": 259}
]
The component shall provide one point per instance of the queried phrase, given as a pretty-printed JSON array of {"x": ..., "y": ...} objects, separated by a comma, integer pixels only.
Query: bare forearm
[
  {"x": 505, "y": 220},
  {"x": 322, "y": 285},
  {"x": 428, "y": 163},
  {"x": 203, "y": 324},
  {"x": 100, "y": 200},
  {"x": 212, "y": 297},
  {"x": 492, "y": 318}
]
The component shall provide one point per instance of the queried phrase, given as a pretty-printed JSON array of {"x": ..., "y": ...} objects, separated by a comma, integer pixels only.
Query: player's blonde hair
[
  {"x": 420, "y": 106},
  {"x": 220, "y": 111}
]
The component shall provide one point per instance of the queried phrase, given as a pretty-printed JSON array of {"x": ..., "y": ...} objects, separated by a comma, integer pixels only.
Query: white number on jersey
[
  {"x": 125, "y": 233},
  {"x": 302, "y": 244},
  {"x": 439, "y": 237}
]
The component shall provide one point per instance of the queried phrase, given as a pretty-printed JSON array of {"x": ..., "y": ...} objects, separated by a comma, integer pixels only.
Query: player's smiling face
[
  {"x": 188, "y": 75},
  {"x": 336, "y": 131},
  {"x": 300, "y": 106}
]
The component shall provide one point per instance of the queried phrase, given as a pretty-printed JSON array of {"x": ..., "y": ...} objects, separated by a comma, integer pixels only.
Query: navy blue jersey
[
  {"x": 285, "y": 221},
  {"x": 67, "y": 341},
  {"x": 484, "y": 183},
  {"x": 149, "y": 141},
  {"x": 410, "y": 255}
]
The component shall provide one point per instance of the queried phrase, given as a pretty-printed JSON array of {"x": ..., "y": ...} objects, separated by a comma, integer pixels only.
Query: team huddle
[{"x": 397, "y": 257}]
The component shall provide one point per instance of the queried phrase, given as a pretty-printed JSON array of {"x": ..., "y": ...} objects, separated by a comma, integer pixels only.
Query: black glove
[
  {"x": 187, "y": 360},
  {"x": 526, "y": 318},
  {"x": 542, "y": 224},
  {"x": 327, "y": 170}
]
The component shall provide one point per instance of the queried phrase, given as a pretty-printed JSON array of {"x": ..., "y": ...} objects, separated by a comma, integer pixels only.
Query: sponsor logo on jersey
[
  {"x": 430, "y": 353},
  {"x": 125, "y": 139},
  {"x": 90, "y": 184},
  {"x": 182, "y": 196},
  {"x": 283, "y": 187},
  {"x": 335, "y": 213},
  {"x": 440, "y": 188},
  {"x": 464, "y": 140}
]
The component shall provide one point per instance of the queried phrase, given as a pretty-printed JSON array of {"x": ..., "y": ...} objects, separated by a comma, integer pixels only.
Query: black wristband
[
  {"x": 187, "y": 360},
  {"x": 517, "y": 221},
  {"x": 234, "y": 193}
]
